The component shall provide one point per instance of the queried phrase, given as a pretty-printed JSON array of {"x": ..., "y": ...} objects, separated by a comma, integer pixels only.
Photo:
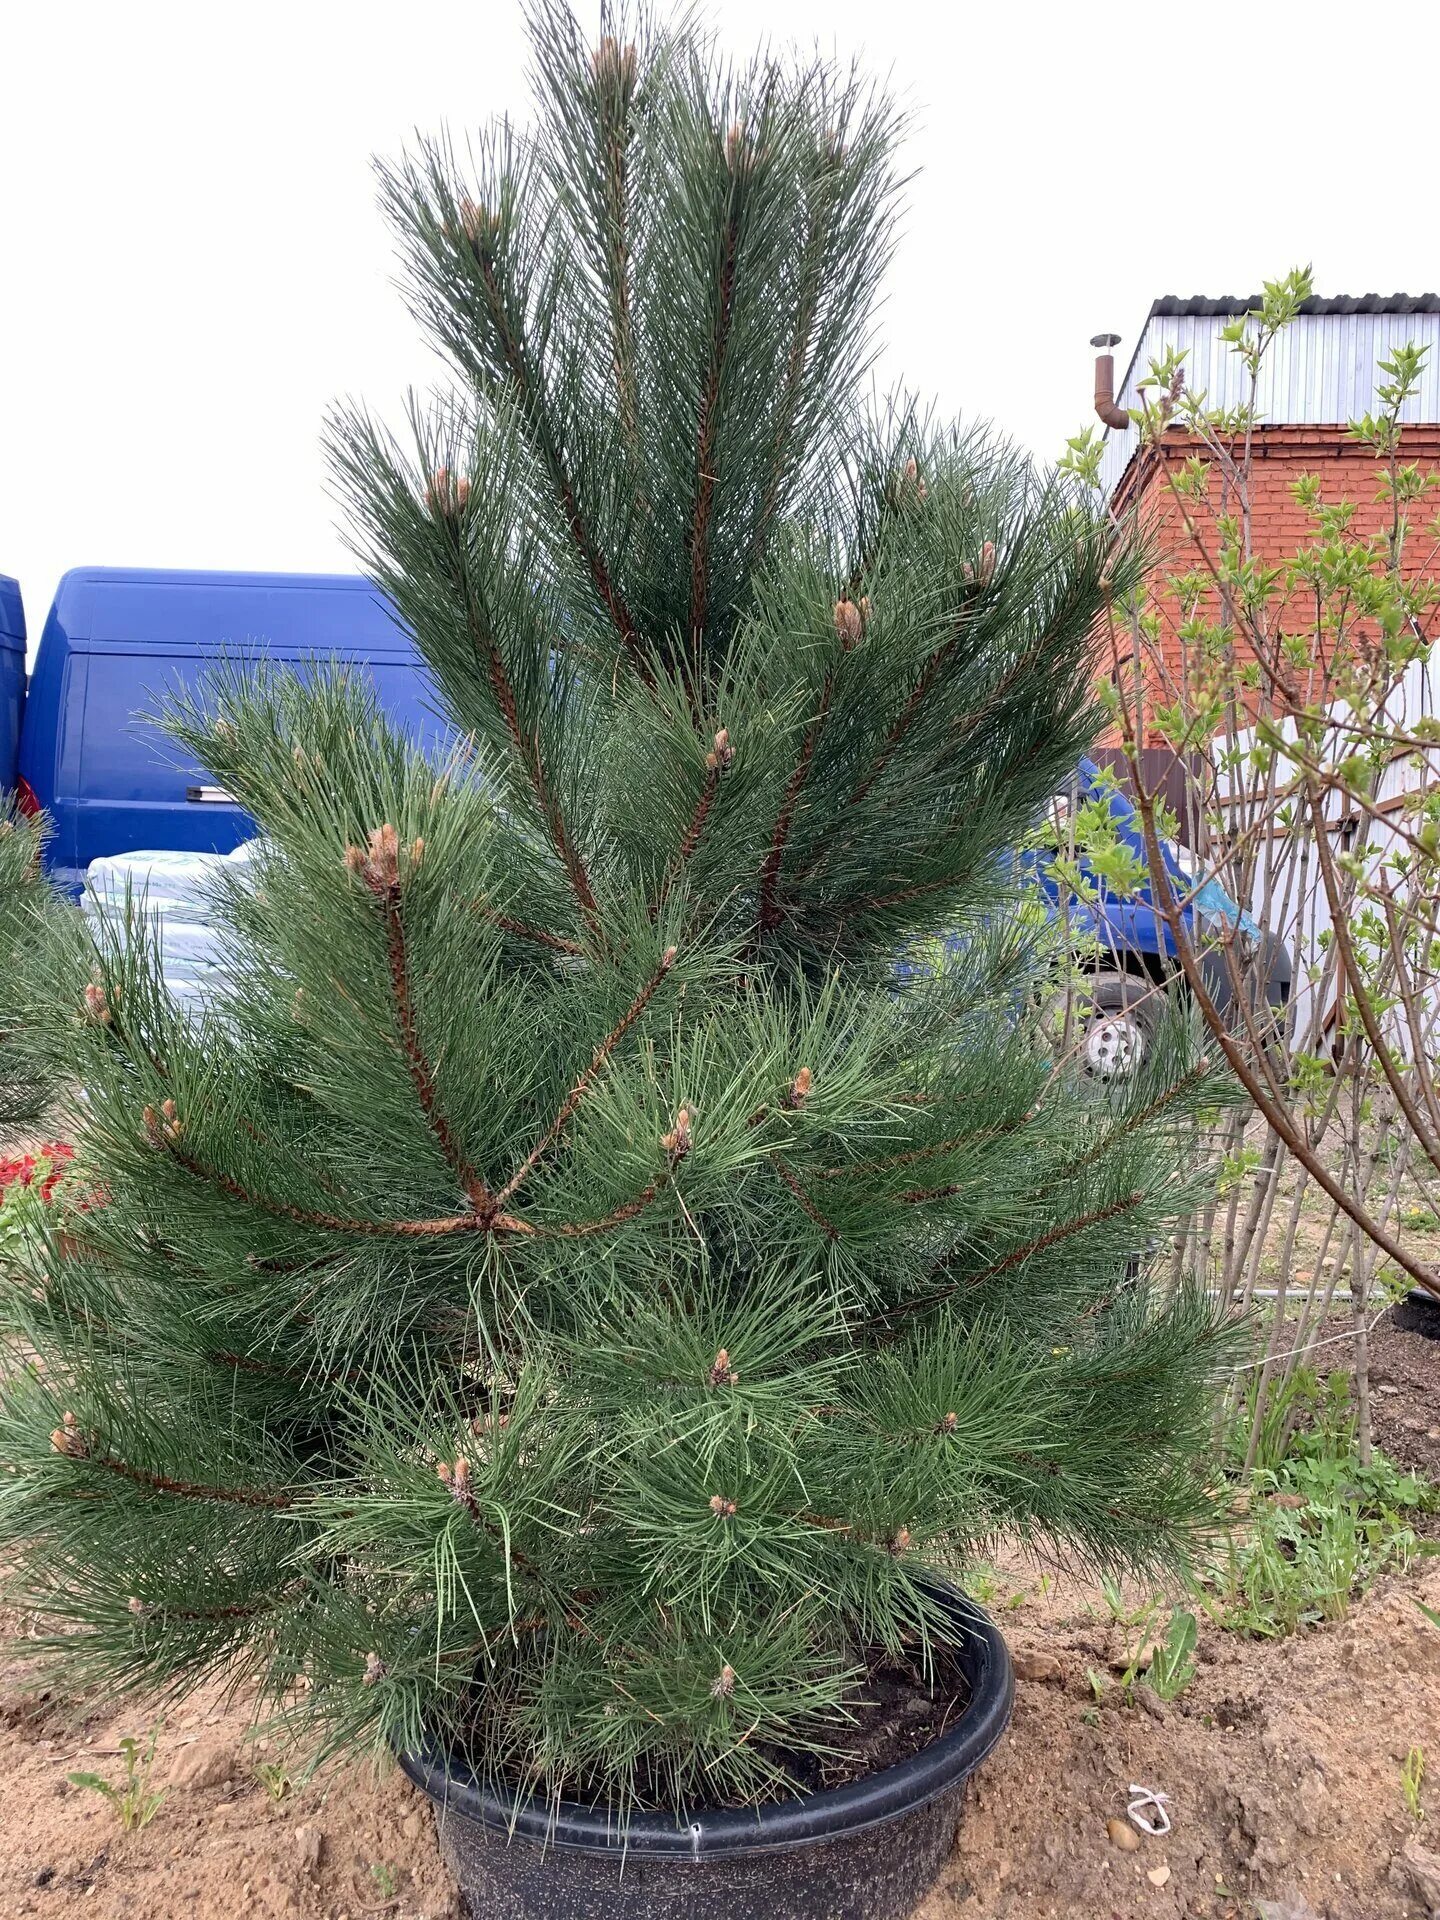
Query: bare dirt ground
[{"x": 1281, "y": 1763}]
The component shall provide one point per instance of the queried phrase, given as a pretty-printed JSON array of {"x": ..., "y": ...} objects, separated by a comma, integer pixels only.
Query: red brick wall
[{"x": 1281, "y": 454}]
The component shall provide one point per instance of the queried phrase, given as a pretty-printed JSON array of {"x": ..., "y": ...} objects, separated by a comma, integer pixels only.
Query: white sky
[{"x": 193, "y": 265}]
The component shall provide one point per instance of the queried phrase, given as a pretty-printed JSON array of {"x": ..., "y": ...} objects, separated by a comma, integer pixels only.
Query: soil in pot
[{"x": 898, "y": 1714}]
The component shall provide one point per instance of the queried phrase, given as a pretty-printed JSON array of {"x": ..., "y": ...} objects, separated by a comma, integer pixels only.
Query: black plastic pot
[
  {"x": 867, "y": 1851},
  {"x": 1418, "y": 1312}
]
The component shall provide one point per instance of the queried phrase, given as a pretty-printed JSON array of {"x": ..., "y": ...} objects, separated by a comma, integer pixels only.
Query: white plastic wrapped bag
[{"x": 174, "y": 891}]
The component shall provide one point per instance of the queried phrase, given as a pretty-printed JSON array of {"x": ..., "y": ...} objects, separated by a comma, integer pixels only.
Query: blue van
[
  {"x": 12, "y": 678},
  {"x": 117, "y": 639}
]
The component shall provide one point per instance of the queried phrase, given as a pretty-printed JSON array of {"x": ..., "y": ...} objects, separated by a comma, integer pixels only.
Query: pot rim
[{"x": 807, "y": 1820}]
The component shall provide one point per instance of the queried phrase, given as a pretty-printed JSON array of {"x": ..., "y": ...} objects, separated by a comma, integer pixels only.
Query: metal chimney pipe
[{"x": 1105, "y": 406}]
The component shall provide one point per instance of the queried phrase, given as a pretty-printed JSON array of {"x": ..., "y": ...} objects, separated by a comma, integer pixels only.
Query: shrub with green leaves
[{"x": 581, "y": 1284}]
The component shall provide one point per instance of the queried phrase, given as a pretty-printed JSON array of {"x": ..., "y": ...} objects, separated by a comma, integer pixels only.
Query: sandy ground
[{"x": 1281, "y": 1763}]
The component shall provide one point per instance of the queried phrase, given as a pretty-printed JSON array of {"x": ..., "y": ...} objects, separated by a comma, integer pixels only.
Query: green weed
[
  {"x": 1321, "y": 1528},
  {"x": 1412, "y": 1779},
  {"x": 134, "y": 1804},
  {"x": 1120, "y": 1612},
  {"x": 982, "y": 1583},
  {"x": 1173, "y": 1666},
  {"x": 275, "y": 1779}
]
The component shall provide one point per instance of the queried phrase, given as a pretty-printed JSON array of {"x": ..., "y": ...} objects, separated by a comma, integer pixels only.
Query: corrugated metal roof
[
  {"x": 1321, "y": 370},
  {"x": 1195, "y": 305}
]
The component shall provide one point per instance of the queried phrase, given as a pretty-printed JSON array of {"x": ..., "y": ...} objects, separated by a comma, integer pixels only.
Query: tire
[{"x": 1119, "y": 1026}]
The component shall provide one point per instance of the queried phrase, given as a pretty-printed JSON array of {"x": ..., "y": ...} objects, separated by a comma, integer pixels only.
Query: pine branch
[
  {"x": 917, "y": 1153},
  {"x": 618, "y": 1217},
  {"x": 968, "y": 723},
  {"x": 185, "y": 1489},
  {"x": 807, "y": 1205},
  {"x": 1132, "y": 1122},
  {"x": 615, "y": 71},
  {"x": 698, "y": 539},
  {"x": 238, "y": 1610},
  {"x": 421, "y": 1076},
  {"x": 716, "y": 761},
  {"x": 770, "y": 914},
  {"x": 1053, "y": 1237},
  {"x": 168, "y": 1142},
  {"x": 689, "y": 840},
  {"x": 456, "y": 1476},
  {"x": 437, "y": 1227},
  {"x": 894, "y": 1544},
  {"x": 807, "y": 309},
  {"x": 929, "y": 673},
  {"x": 528, "y": 752},
  {"x": 248, "y": 1127},
  {"x": 586, "y": 1229},
  {"x": 916, "y": 1196},
  {"x": 874, "y": 903},
  {"x": 522, "y": 930},
  {"x": 577, "y": 1093},
  {"x": 246, "y": 1363},
  {"x": 531, "y": 410}
]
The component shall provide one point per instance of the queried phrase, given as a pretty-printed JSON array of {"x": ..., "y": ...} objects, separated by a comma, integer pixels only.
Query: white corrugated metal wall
[{"x": 1320, "y": 370}]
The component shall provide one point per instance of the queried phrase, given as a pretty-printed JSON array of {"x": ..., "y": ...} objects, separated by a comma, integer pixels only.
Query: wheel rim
[{"x": 1114, "y": 1045}]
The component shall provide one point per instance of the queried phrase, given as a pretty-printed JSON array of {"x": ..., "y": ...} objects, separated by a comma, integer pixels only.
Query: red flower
[
  {"x": 12, "y": 1171},
  {"x": 54, "y": 1156},
  {"x": 59, "y": 1153}
]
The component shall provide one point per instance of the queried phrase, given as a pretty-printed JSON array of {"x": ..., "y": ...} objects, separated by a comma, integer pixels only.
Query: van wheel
[{"x": 1120, "y": 1025}]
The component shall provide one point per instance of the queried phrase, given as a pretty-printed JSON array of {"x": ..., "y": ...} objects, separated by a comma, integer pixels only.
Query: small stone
[
  {"x": 207, "y": 1764},
  {"x": 1033, "y": 1663},
  {"x": 1415, "y": 1871},
  {"x": 1291, "y": 1906},
  {"x": 1386, "y": 1388},
  {"x": 1312, "y": 1798},
  {"x": 1157, "y": 1876},
  {"x": 1122, "y": 1834},
  {"x": 412, "y": 1826},
  {"x": 310, "y": 1845},
  {"x": 1150, "y": 1702},
  {"x": 1141, "y": 1662}
]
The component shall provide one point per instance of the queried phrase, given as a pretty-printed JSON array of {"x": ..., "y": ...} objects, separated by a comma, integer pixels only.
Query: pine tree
[
  {"x": 605, "y": 1253},
  {"x": 26, "y": 900}
]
